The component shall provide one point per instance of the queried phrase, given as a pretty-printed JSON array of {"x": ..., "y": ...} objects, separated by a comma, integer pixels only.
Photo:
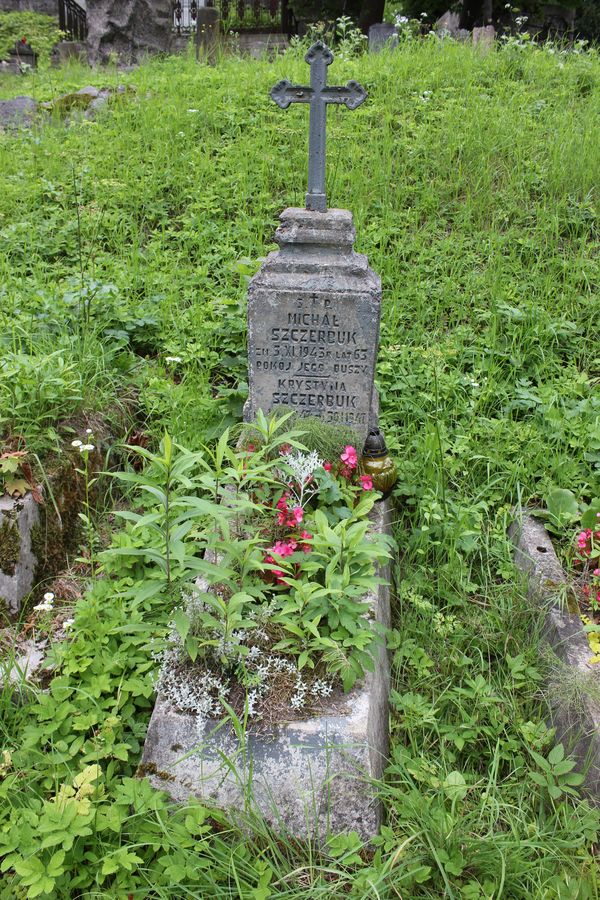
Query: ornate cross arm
[
  {"x": 284, "y": 93},
  {"x": 318, "y": 95}
]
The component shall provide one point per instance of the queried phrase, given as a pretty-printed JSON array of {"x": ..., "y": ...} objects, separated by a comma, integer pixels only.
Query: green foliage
[
  {"x": 41, "y": 33},
  {"x": 324, "y": 615},
  {"x": 222, "y": 503}
]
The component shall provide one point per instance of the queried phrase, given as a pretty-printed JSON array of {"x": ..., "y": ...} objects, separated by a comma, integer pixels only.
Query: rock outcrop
[{"x": 128, "y": 28}]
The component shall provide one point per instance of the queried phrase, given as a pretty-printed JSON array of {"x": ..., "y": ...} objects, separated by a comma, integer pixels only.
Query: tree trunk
[{"x": 371, "y": 12}]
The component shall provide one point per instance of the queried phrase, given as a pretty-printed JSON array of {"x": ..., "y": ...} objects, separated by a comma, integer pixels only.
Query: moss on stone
[
  {"x": 55, "y": 535},
  {"x": 10, "y": 546}
]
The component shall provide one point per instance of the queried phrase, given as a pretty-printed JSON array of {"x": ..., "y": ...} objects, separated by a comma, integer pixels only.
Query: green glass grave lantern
[{"x": 377, "y": 463}]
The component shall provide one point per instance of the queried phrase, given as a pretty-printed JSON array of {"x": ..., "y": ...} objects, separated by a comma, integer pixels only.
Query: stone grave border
[
  {"x": 308, "y": 778},
  {"x": 577, "y": 726}
]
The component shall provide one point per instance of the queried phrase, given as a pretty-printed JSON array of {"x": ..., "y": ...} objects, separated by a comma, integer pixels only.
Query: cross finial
[{"x": 319, "y": 94}]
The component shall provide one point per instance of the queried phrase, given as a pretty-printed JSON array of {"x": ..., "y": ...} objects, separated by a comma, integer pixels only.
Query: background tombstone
[
  {"x": 381, "y": 36},
  {"x": 314, "y": 305},
  {"x": 207, "y": 34}
]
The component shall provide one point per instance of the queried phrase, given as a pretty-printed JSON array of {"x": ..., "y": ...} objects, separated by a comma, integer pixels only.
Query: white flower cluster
[
  {"x": 84, "y": 448},
  {"x": 48, "y": 603}
]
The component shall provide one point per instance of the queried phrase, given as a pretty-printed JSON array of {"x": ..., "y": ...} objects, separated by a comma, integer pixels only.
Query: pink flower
[
  {"x": 282, "y": 502},
  {"x": 346, "y": 471},
  {"x": 596, "y": 572},
  {"x": 297, "y": 515},
  {"x": 306, "y": 536},
  {"x": 285, "y": 449},
  {"x": 366, "y": 482},
  {"x": 327, "y": 466},
  {"x": 349, "y": 457},
  {"x": 282, "y": 517},
  {"x": 283, "y": 548}
]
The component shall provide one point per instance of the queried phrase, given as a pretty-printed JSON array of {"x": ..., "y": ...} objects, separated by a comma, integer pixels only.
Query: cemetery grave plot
[
  {"x": 299, "y": 771},
  {"x": 476, "y": 206}
]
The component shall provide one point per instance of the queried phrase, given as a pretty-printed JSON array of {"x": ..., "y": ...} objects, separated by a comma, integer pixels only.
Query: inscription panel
[{"x": 314, "y": 353}]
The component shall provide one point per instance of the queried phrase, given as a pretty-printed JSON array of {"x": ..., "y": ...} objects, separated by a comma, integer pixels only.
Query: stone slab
[
  {"x": 17, "y": 561},
  {"x": 18, "y": 112},
  {"x": 577, "y": 724},
  {"x": 307, "y": 778},
  {"x": 382, "y": 36},
  {"x": 313, "y": 323},
  {"x": 208, "y": 34}
]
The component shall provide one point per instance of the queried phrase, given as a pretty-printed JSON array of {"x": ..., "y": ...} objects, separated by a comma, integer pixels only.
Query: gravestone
[
  {"x": 313, "y": 320},
  {"x": 382, "y": 35},
  {"x": 207, "y": 34},
  {"x": 314, "y": 305}
]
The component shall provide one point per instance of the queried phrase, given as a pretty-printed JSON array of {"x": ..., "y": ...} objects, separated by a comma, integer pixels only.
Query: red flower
[
  {"x": 346, "y": 471},
  {"x": 366, "y": 482},
  {"x": 285, "y": 449},
  {"x": 23, "y": 40},
  {"x": 327, "y": 466},
  {"x": 297, "y": 515}
]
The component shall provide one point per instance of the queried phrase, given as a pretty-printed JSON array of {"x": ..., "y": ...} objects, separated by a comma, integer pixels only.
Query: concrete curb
[
  {"x": 577, "y": 724},
  {"x": 307, "y": 778}
]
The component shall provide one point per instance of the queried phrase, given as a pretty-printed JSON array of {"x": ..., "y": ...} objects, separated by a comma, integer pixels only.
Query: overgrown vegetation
[
  {"x": 31, "y": 29},
  {"x": 126, "y": 246}
]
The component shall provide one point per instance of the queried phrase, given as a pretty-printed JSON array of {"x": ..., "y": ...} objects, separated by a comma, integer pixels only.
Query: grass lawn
[{"x": 125, "y": 246}]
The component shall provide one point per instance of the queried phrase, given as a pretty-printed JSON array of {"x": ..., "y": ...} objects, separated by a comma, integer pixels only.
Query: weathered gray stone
[
  {"x": 17, "y": 561},
  {"x": 381, "y": 36},
  {"x": 207, "y": 34},
  {"x": 18, "y": 112},
  {"x": 31, "y": 655},
  {"x": 65, "y": 51},
  {"x": 313, "y": 323},
  {"x": 128, "y": 28},
  {"x": 309, "y": 777},
  {"x": 258, "y": 44},
  {"x": 577, "y": 723},
  {"x": 484, "y": 36}
]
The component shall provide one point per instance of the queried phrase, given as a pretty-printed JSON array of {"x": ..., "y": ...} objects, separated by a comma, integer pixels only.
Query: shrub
[{"x": 40, "y": 32}]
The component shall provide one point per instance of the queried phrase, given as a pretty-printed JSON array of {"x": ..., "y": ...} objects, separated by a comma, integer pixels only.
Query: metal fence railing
[
  {"x": 72, "y": 19},
  {"x": 236, "y": 15}
]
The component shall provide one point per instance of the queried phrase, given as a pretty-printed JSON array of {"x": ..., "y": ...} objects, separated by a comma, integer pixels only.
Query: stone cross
[{"x": 319, "y": 94}]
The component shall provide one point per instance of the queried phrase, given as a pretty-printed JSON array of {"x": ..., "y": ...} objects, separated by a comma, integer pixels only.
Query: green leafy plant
[
  {"x": 38, "y": 31},
  {"x": 556, "y": 774}
]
